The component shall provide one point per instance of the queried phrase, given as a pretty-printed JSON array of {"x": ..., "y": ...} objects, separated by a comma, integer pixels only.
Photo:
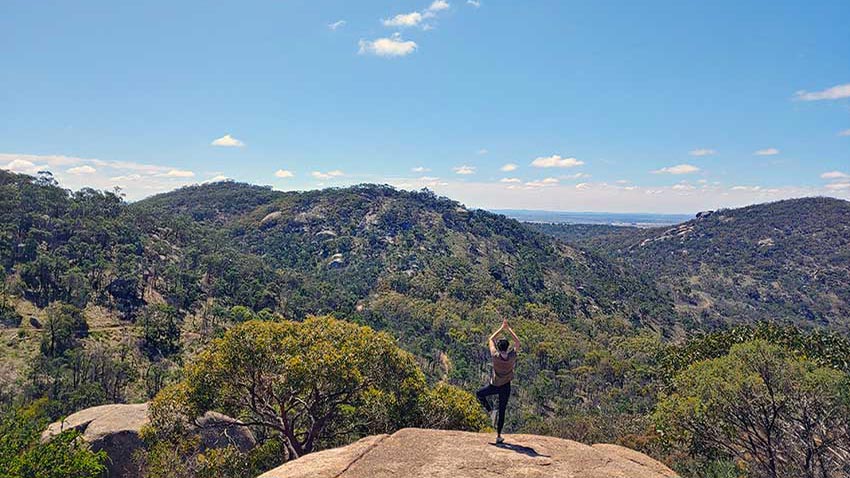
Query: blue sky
[{"x": 657, "y": 106}]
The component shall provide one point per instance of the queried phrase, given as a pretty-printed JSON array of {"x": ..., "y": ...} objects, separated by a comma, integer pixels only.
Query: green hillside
[
  {"x": 109, "y": 302},
  {"x": 157, "y": 279},
  {"x": 783, "y": 261}
]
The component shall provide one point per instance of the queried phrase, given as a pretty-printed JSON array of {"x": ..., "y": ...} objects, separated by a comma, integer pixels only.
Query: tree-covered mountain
[
  {"x": 342, "y": 246},
  {"x": 783, "y": 261},
  {"x": 133, "y": 290},
  {"x": 108, "y": 302}
]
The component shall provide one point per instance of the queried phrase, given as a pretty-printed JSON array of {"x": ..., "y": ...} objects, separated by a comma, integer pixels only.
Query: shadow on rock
[{"x": 525, "y": 450}]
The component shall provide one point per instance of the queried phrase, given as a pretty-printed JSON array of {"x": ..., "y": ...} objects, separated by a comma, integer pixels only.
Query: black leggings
[{"x": 504, "y": 393}]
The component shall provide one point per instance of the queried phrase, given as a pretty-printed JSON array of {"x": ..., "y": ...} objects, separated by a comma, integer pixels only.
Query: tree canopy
[{"x": 316, "y": 383}]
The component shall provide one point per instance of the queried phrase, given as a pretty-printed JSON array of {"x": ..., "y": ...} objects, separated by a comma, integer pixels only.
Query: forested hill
[
  {"x": 783, "y": 261},
  {"x": 340, "y": 250},
  {"x": 179, "y": 296},
  {"x": 136, "y": 290}
]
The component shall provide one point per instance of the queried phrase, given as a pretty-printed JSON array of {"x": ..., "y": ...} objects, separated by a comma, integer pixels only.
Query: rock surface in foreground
[
  {"x": 419, "y": 453},
  {"x": 115, "y": 429}
]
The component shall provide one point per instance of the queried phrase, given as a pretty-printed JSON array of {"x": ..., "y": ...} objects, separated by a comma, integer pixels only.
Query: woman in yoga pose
[{"x": 504, "y": 361}]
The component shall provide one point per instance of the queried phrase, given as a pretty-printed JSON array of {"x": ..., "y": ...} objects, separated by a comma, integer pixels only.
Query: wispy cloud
[
  {"x": 464, "y": 170},
  {"x": 420, "y": 169},
  {"x": 555, "y": 161},
  {"x": 284, "y": 173},
  {"x": 179, "y": 173},
  {"x": 19, "y": 165},
  {"x": 677, "y": 169},
  {"x": 327, "y": 175},
  {"x": 702, "y": 152},
  {"x": 438, "y": 5},
  {"x": 576, "y": 176},
  {"x": 835, "y": 175},
  {"x": 482, "y": 151},
  {"x": 767, "y": 152},
  {"x": 403, "y": 20},
  {"x": 846, "y": 132},
  {"x": 474, "y": 3},
  {"x": 84, "y": 169},
  {"x": 509, "y": 167},
  {"x": 746, "y": 188},
  {"x": 228, "y": 142},
  {"x": 835, "y": 93},
  {"x": 510, "y": 180},
  {"x": 394, "y": 46},
  {"x": 336, "y": 24},
  {"x": 416, "y": 19},
  {"x": 136, "y": 179},
  {"x": 842, "y": 186},
  {"x": 542, "y": 183}
]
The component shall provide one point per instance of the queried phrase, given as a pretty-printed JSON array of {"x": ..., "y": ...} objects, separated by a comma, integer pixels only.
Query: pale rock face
[
  {"x": 115, "y": 429},
  {"x": 416, "y": 453}
]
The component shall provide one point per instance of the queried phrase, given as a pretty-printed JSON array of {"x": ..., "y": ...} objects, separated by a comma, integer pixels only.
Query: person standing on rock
[{"x": 504, "y": 361}]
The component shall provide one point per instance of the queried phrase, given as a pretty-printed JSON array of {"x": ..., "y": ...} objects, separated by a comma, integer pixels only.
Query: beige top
[{"x": 503, "y": 368}]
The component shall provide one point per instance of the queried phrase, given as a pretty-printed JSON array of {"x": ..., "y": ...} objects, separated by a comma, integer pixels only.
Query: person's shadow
[{"x": 525, "y": 450}]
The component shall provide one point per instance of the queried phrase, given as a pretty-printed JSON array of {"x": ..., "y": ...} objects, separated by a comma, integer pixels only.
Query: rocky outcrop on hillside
[
  {"x": 115, "y": 429},
  {"x": 414, "y": 453}
]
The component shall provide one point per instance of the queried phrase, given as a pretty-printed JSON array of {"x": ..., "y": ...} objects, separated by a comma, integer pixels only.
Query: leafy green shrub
[
  {"x": 22, "y": 455},
  {"x": 765, "y": 406}
]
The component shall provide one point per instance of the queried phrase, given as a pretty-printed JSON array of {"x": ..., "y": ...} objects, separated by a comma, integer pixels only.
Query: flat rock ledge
[
  {"x": 116, "y": 428},
  {"x": 416, "y": 453}
]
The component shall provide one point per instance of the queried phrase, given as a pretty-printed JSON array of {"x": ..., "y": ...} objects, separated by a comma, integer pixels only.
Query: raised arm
[
  {"x": 513, "y": 334},
  {"x": 491, "y": 341}
]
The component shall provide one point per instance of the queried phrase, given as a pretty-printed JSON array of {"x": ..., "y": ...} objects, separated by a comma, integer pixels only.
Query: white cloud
[
  {"x": 438, "y": 5},
  {"x": 576, "y": 176},
  {"x": 542, "y": 183},
  {"x": 283, "y": 173},
  {"x": 464, "y": 170},
  {"x": 767, "y": 152},
  {"x": 846, "y": 132},
  {"x": 835, "y": 175},
  {"x": 482, "y": 151},
  {"x": 328, "y": 175},
  {"x": 702, "y": 152},
  {"x": 20, "y": 166},
  {"x": 137, "y": 180},
  {"x": 510, "y": 180},
  {"x": 509, "y": 167},
  {"x": 179, "y": 173},
  {"x": 84, "y": 169},
  {"x": 838, "y": 186},
  {"x": 216, "y": 179},
  {"x": 555, "y": 161},
  {"x": 683, "y": 187},
  {"x": 420, "y": 169},
  {"x": 404, "y": 20},
  {"x": 416, "y": 19},
  {"x": 615, "y": 198},
  {"x": 834, "y": 93},
  {"x": 336, "y": 24},
  {"x": 474, "y": 3},
  {"x": 228, "y": 142},
  {"x": 391, "y": 47},
  {"x": 677, "y": 169}
]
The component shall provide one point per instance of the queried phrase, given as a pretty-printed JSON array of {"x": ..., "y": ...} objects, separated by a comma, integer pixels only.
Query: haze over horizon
[{"x": 668, "y": 107}]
